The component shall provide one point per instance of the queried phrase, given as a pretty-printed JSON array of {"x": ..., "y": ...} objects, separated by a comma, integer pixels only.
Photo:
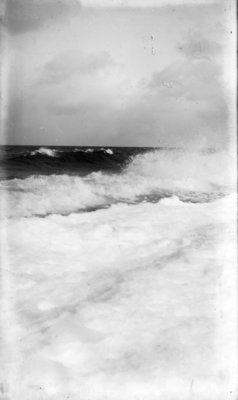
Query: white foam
[
  {"x": 44, "y": 151},
  {"x": 133, "y": 302},
  {"x": 89, "y": 150},
  {"x": 147, "y": 175},
  {"x": 109, "y": 151},
  {"x": 191, "y": 170}
]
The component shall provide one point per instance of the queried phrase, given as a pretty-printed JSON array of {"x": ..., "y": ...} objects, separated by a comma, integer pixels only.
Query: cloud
[
  {"x": 195, "y": 46},
  {"x": 68, "y": 64},
  {"x": 175, "y": 96},
  {"x": 183, "y": 104},
  {"x": 142, "y": 3},
  {"x": 193, "y": 80},
  {"x": 77, "y": 109},
  {"x": 26, "y": 15}
]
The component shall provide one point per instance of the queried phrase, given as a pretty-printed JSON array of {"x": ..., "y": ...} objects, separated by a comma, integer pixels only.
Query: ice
[{"x": 132, "y": 302}]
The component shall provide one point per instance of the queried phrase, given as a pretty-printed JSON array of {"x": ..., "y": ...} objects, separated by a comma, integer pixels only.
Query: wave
[
  {"x": 149, "y": 177},
  {"x": 108, "y": 151},
  {"x": 90, "y": 150},
  {"x": 76, "y": 160},
  {"x": 186, "y": 170},
  {"x": 53, "y": 152},
  {"x": 43, "y": 151}
]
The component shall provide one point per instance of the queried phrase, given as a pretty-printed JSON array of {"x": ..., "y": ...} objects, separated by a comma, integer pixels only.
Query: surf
[{"x": 145, "y": 177}]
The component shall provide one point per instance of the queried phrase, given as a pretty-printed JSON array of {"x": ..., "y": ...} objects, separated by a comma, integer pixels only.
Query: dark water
[{"x": 23, "y": 161}]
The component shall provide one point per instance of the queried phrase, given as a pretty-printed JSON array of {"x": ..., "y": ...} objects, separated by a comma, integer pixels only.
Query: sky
[{"x": 117, "y": 72}]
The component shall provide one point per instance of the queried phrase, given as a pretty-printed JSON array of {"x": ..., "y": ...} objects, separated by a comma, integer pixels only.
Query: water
[
  {"x": 118, "y": 274},
  {"x": 23, "y": 161},
  {"x": 63, "y": 180}
]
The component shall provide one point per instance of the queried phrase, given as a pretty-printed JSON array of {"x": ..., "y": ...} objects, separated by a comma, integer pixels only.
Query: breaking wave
[
  {"x": 149, "y": 177},
  {"x": 43, "y": 151},
  {"x": 71, "y": 160},
  {"x": 54, "y": 152},
  {"x": 91, "y": 295}
]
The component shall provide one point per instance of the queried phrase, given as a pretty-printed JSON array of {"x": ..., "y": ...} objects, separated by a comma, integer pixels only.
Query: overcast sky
[{"x": 114, "y": 72}]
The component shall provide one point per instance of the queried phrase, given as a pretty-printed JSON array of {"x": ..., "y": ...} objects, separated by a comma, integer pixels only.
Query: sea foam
[
  {"x": 44, "y": 151},
  {"x": 134, "y": 301},
  {"x": 130, "y": 302},
  {"x": 196, "y": 177}
]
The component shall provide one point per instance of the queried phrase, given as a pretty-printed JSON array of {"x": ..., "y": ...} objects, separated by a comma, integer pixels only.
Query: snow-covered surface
[{"x": 135, "y": 302}]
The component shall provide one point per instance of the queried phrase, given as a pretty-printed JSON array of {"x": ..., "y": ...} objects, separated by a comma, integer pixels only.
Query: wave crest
[
  {"x": 44, "y": 151},
  {"x": 179, "y": 169},
  {"x": 194, "y": 177}
]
